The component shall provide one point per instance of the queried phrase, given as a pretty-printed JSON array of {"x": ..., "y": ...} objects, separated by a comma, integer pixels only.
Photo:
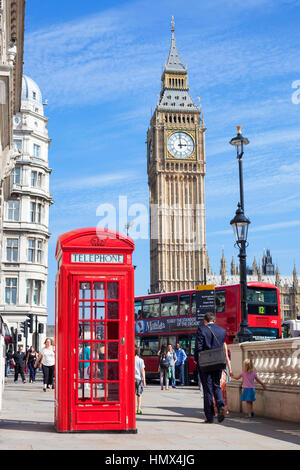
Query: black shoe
[
  {"x": 221, "y": 414},
  {"x": 208, "y": 421}
]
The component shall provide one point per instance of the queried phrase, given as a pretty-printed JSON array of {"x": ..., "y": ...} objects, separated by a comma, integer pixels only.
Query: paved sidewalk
[{"x": 170, "y": 420}]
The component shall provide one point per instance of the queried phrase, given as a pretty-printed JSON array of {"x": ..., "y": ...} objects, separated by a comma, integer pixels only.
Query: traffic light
[
  {"x": 41, "y": 328},
  {"x": 30, "y": 322},
  {"x": 19, "y": 338},
  {"x": 25, "y": 329}
]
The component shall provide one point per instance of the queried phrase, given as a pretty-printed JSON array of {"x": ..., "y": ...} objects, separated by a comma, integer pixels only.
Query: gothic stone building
[
  {"x": 289, "y": 287},
  {"x": 176, "y": 169}
]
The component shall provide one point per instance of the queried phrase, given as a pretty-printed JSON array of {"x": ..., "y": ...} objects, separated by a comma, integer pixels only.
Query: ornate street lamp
[{"x": 240, "y": 225}]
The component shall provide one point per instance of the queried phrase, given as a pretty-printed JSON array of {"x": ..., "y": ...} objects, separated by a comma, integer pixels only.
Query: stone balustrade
[{"x": 278, "y": 366}]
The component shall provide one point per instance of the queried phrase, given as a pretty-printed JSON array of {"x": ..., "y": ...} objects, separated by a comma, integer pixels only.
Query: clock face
[{"x": 180, "y": 145}]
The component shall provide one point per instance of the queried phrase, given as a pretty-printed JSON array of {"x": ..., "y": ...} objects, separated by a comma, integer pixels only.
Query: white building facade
[{"x": 24, "y": 258}]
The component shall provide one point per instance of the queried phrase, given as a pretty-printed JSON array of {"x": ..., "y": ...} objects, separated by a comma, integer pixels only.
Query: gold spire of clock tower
[{"x": 176, "y": 169}]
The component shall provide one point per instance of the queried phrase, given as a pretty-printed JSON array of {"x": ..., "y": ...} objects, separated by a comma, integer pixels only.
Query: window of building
[
  {"x": 34, "y": 95},
  {"x": 36, "y": 179},
  {"x": 39, "y": 251},
  {"x": 33, "y": 178},
  {"x": 13, "y": 210},
  {"x": 36, "y": 150},
  {"x": 11, "y": 291},
  {"x": 18, "y": 144},
  {"x": 37, "y": 287},
  {"x": 17, "y": 175},
  {"x": 286, "y": 300},
  {"x": 287, "y": 315},
  {"x": 31, "y": 250},
  {"x": 28, "y": 286},
  {"x": 33, "y": 291},
  {"x": 35, "y": 212},
  {"x": 12, "y": 249}
]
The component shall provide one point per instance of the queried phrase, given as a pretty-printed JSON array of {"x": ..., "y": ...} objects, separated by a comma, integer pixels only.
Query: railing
[{"x": 277, "y": 364}]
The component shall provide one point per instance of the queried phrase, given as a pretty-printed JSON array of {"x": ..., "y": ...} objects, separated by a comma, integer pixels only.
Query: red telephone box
[{"x": 94, "y": 330}]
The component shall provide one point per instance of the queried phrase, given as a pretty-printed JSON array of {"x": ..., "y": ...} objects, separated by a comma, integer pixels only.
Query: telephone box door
[{"x": 99, "y": 352}]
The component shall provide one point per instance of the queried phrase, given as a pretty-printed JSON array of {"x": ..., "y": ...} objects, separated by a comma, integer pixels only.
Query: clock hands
[{"x": 180, "y": 143}]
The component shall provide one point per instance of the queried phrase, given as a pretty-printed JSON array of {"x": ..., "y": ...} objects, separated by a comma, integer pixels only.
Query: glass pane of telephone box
[
  {"x": 99, "y": 392},
  {"x": 99, "y": 310},
  {"x": 112, "y": 330},
  {"x": 84, "y": 351},
  {"x": 84, "y": 310},
  {"x": 99, "y": 331},
  {"x": 112, "y": 310},
  {"x": 113, "y": 392},
  {"x": 112, "y": 371},
  {"x": 112, "y": 290},
  {"x": 99, "y": 290},
  {"x": 99, "y": 371},
  {"x": 84, "y": 290},
  {"x": 84, "y": 392},
  {"x": 113, "y": 351},
  {"x": 80, "y": 371},
  {"x": 99, "y": 351},
  {"x": 86, "y": 371},
  {"x": 84, "y": 330}
]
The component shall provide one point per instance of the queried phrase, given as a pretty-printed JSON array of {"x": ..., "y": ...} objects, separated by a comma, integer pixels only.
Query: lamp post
[{"x": 240, "y": 225}]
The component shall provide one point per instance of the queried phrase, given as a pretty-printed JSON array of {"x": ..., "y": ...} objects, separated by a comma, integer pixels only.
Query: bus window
[
  {"x": 261, "y": 295},
  {"x": 137, "y": 341},
  {"x": 151, "y": 308},
  {"x": 185, "y": 343},
  {"x": 193, "y": 309},
  {"x": 149, "y": 346},
  {"x": 193, "y": 345},
  {"x": 138, "y": 309},
  {"x": 169, "y": 306},
  {"x": 220, "y": 301},
  {"x": 167, "y": 340},
  {"x": 184, "y": 305}
]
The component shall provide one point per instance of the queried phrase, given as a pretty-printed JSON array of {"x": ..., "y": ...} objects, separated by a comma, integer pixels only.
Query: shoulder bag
[{"x": 212, "y": 359}]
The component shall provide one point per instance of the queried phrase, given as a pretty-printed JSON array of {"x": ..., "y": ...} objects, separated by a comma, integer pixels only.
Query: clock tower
[{"x": 176, "y": 170}]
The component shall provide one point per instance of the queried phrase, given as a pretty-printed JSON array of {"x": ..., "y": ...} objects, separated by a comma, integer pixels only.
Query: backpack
[{"x": 164, "y": 361}]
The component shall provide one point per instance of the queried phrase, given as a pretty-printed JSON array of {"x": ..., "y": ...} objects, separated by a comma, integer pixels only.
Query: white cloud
[{"x": 91, "y": 182}]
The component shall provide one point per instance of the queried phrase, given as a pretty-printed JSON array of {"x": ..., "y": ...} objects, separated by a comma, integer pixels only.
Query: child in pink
[{"x": 249, "y": 375}]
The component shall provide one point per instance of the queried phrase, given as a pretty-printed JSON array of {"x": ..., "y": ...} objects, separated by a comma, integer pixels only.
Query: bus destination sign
[{"x": 205, "y": 301}]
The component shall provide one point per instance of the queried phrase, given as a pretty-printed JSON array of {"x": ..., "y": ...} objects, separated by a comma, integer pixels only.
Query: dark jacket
[
  {"x": 206, "y": 340},
  {"x": 19, "y": 359}
]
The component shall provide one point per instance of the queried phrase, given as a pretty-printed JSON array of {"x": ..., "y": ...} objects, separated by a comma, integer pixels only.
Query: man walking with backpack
[
  {"x": 211, "y": 336},
  {"x": 163, "y": 361}
]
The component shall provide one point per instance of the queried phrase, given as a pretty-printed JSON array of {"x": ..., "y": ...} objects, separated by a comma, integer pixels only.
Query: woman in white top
[{"x": 47, "y": 359}]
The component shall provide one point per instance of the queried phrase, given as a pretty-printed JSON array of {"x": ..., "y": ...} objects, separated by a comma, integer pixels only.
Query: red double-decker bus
[{"x": 171, "y": 318}]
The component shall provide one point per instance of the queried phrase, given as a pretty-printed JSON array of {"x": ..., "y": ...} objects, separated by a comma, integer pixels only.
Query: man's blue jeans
[
  {"x": 173, "y": 381},
  {"x": 180, "y": 368}
]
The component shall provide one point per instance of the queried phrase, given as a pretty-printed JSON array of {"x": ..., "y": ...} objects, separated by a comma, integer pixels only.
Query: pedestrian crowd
[
  {"x": 212, "y": 359},
  {"x": 29, "y": 361}
]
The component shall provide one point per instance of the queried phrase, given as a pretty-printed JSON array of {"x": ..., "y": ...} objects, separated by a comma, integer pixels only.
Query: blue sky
[{"x": 99, "y": 64}]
